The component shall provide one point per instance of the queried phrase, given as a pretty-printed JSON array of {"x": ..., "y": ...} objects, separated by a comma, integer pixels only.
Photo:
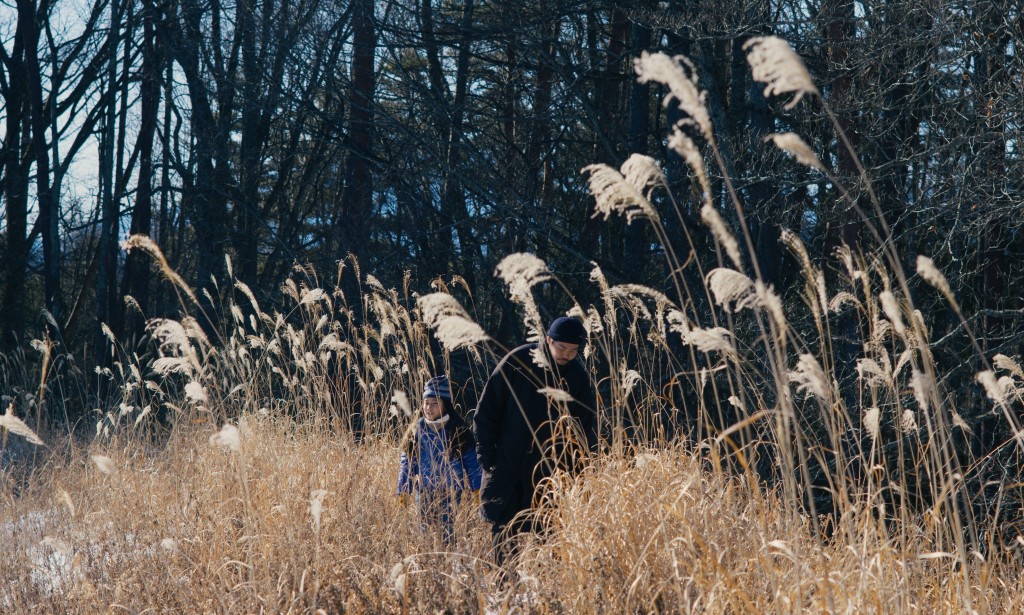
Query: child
[{"x": 438, "y": 458}]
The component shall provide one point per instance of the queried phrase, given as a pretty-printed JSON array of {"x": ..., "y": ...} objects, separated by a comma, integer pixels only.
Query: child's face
[{"x": 433, "y": 407}]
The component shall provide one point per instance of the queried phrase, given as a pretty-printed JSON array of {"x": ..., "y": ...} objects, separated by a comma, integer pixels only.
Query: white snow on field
[{"x": 54, "y": 558}]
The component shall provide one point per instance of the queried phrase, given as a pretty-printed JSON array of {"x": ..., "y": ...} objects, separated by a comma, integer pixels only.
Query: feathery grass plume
[
  {"x": 845, "y": 256},
  {"x": 104, "y": 464},
  {"x": 901, "y": 362},
  {"x": 841, "y": 300},
  {"x": 245, "y": 290},
  {"x": 169, "y": 544},
  {"x": 555, "y": 395},
  {"x": 311, "y": 296},
  {"x": 908, "y": 422},
  {"x": 382, "y": 310},
  {"x": 610, "y": 317},
  {"x": 643, "y": 173},
  {"x": 107, "y": 333},
  {"x": 65, "y": 498},
  {"x": 993, "y": 388},
  {"x": 795, "y": 245},
  {"x": 880, "y": 331},
  {"x": 682, "y": 144},
  {"x": 451, "y": 323},
  {"x": 614, "y": 194},
  {"x": 455, "y": 333},
  {"x": 56, "y": 544},
  {"x": 810, "y": 378},
  {"x": 958, "y": 421},
  {"x": 920, "y": 385},
  {"x": 773, "y": 61},
  {"x": 142, "y": 415},
  {"x": 18, "y": 427},
  {"x": 228, "y": 437},
  {"x": 731, "y": 286},
  {"x": 331, "y": 342},
  {"x": 930, "y": 273},
  {"x": 892, "y": 311},
  {"x": 590, "y": 318},
  {"x": 165, "y": 366},
  {"x": 770, "y": 301},
  {"x": 147, "y": 245},
  {"x": 131, "y": 304},
  {"x": 871, "y": 373},
  {"x": 872, "y": 422},
  {"x": 1005, "y": 363},
  {"x": 316, "y": 508},
  {"x": 679, "y": 74},
  {"x": 711, "y": 217},
  {"x": 715, "y": 339},
  {"x": 630, "y": 378},
  {"x": 170, "y": 335},
  {"x": 196, "y": 393},
  {"x": 520, "y": 272},
  {"x": 677, "y": 322},
  {"x": 623, "y": 290},
  {"x": 792, "y": 144},
  {"x": 401, "y": 401},
  {"x": 374, "y": 283}
]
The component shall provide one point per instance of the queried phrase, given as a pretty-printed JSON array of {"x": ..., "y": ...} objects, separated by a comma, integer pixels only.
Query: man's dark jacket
[{"x": 513, "y": 422}]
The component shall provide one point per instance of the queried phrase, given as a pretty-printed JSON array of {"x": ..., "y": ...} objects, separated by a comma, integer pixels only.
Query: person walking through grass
[
  {"x": 524, "y": 399},
  {"x": 438, "y": 460}
]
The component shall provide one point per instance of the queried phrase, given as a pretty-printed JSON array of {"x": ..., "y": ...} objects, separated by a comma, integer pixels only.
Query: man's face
[
  {"x": 562, "y": 352},
  {"x": 433, "y": 408}
]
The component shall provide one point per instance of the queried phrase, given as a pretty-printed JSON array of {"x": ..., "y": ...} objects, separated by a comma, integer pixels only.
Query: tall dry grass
[{"x": 253, "y": 468}]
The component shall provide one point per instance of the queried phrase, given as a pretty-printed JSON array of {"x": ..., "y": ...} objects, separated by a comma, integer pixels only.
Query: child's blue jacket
[{"x": 436, "y": 468}]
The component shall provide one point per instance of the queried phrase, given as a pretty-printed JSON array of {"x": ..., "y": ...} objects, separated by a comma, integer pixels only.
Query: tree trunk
[
  {"x": 16, "y": 180},
  {"x": 136, "y": 267},
  {"x": 106, "y": 286},
  {"x": 357, "y": 199},
  {"x": 49, "y": 206}
]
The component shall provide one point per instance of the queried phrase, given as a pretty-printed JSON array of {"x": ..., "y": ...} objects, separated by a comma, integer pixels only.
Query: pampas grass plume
[
  {"x": 147, "y": 245},
  {"x": 196, "y": 393},
  {"x": 228, "y": 438},
  {"x": 104, "y": 464},
  {"x": 993, "y": 389},
  {"x": 1005, "y": 363},
  {"x": 730, "y": 286},
  {"x": 892, "y": 311},
  {"x": 774, "y": 62},
  {"x": 614, "y": 194},
  {"x": 18, "y": 427},
  {"x": 792, "y": 144},
  {"x": 556, "y": 395},
  {"x": 872, "y": 422},
  {"x": 715, "y": 339},
  {"x": 679, "y": 74},
  {"x": 711, "y": 217},
  {"x": 930, "y": 273},
  {"x": 682, "y": 144},
  {"x": 809, "y": 377}
]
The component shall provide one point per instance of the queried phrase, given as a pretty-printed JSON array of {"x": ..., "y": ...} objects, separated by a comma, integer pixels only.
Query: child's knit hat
[{"x": 438, "y": 386}]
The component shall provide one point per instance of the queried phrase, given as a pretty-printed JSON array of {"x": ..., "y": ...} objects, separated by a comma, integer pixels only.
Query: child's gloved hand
[{"x": 403, "y": 500}]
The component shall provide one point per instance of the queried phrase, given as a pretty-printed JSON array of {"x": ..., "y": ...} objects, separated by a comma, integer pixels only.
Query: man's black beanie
[{"x": 569, "y": 330}]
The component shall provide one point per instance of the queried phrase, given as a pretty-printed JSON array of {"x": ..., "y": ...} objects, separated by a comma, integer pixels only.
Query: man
[{"x": 514, "y": 424}]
